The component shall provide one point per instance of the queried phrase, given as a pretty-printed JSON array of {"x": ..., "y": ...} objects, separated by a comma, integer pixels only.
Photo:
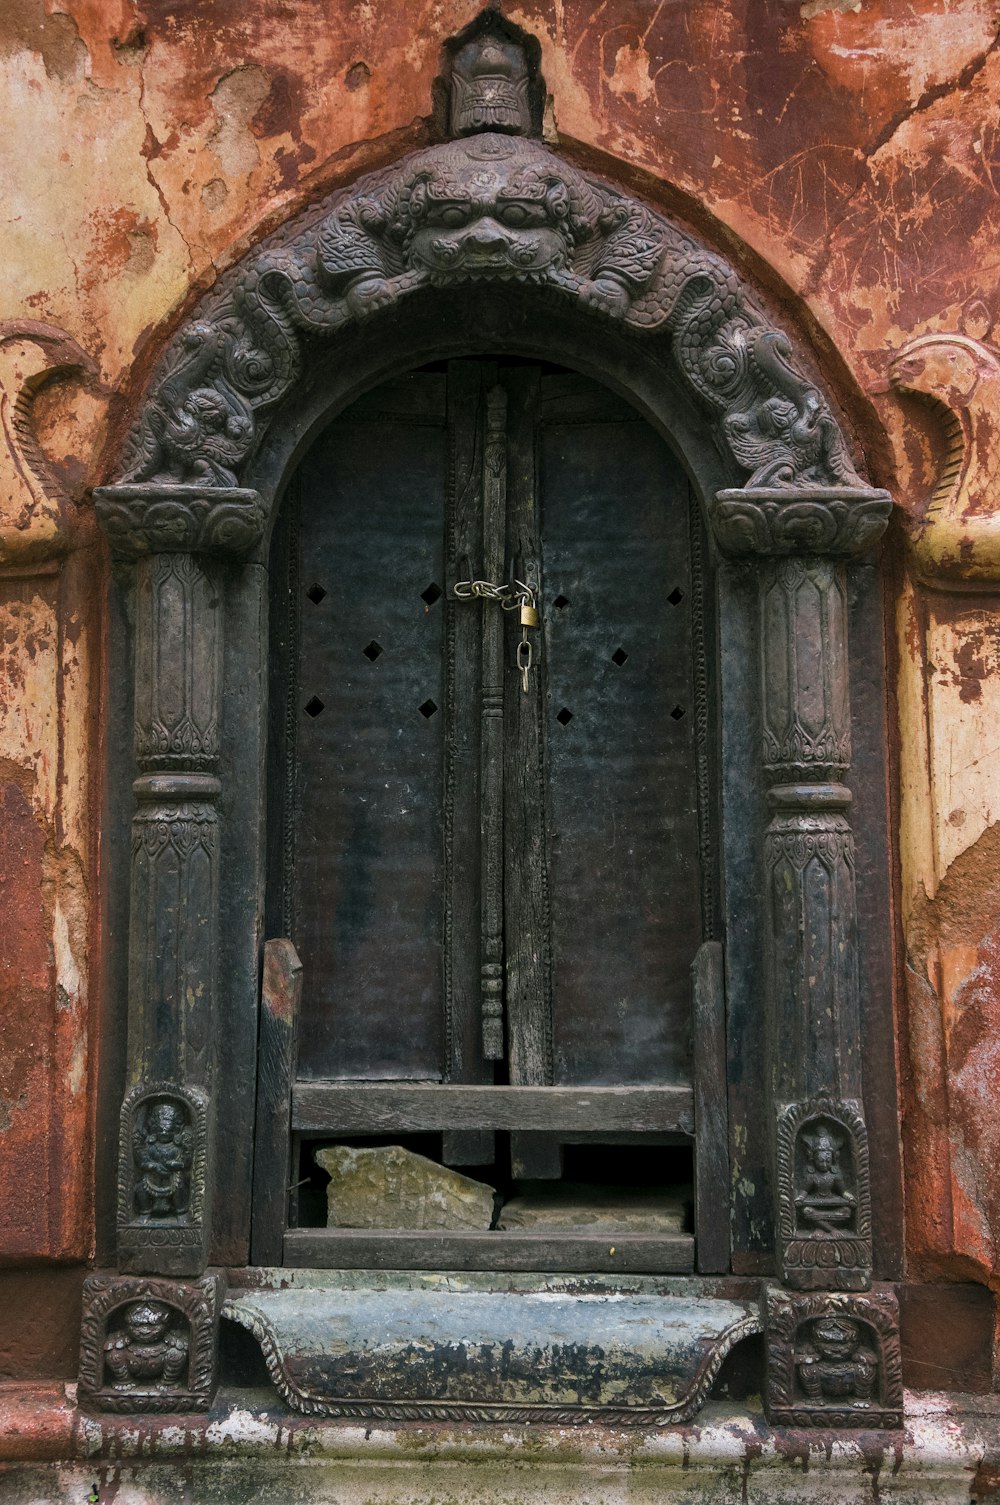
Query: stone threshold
[{"x": 250, "y": 1449}]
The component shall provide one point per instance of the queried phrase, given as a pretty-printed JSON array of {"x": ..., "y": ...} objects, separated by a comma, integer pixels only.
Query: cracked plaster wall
[{"x": 846, "y": 154}]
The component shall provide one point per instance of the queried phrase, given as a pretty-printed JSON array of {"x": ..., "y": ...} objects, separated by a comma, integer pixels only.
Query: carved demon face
[
  {"x": 147, "y": 1321},
  {"x": 835, "y": 1338},
  {"x": 493, "y": 219}
]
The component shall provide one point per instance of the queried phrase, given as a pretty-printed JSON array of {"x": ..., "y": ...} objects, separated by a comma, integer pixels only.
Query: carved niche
[
  {"x": 149, "y": 1344},
  {"x": 833, "y": 1360},
  {"x": 824, "y": 1198},
  {"x": 161, "y": 1178}
]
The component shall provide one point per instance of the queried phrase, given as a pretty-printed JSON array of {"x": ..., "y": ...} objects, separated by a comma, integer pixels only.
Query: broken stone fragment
[
  {"x": 389, "y": 1187},
  {"x": 598, "y": 1209}
]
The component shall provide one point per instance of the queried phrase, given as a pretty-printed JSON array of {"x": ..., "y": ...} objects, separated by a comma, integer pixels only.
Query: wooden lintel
[
  {"x": 416, "y": 1107},
  {"x": 374, "y": 1249}
]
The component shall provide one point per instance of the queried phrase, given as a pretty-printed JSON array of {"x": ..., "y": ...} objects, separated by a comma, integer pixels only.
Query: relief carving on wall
[
  {"x": 824, "y": 1197},
  {"x": 149, "y": 1344},
  {"x": 161, "y": 1175},
  {"x": 957, "y": 378},
  {"x": 35, "y": 513},
  {"x": 833, "y": 1360}
]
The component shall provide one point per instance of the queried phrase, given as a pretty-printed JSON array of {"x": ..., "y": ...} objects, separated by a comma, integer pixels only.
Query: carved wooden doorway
[{"x": 498, "y": 873}]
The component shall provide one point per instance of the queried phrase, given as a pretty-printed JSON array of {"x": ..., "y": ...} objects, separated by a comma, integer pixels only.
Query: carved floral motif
[
  {"x": 148, "y": 1344},
  {"x": 816, "y": 520},
  {"x": 833, "y": 1360},
  {"x": 173, "y": 518}
]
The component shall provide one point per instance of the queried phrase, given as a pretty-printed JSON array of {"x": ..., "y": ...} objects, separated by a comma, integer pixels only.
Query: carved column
[
  {"x": 828, "y": 1354},
  {"x": 178, "y": 537}
]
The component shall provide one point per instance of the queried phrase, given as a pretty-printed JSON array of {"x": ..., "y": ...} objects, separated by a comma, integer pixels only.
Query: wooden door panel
[
  {"x": 370, "y": 735},
  {"x": 622, "y": 786}
]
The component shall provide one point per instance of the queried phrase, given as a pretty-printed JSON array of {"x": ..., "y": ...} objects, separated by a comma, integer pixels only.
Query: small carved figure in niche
[
  {"x": 835, "y": 1365},
  {"x": 824, "y": 1199},
  {"x": 147, "y": 1351},
  {"x": 163, "y": 1149},
  {"x": 489, "y": 86}
]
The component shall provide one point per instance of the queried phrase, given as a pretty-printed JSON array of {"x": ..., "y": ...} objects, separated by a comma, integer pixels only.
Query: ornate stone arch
[{"x": 492, "y": 214}]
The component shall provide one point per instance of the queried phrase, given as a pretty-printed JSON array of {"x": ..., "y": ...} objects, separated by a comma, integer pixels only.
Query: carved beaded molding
[{"x": 487, "y": 209}]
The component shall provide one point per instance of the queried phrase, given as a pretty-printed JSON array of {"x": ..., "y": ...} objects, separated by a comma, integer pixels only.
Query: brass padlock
[{"x": 528, "y": 615}]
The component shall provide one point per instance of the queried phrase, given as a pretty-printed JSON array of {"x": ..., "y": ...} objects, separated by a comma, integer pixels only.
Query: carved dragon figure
[{"x": 494, "y": 205}]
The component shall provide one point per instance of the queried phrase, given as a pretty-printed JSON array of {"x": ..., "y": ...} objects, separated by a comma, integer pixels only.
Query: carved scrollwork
[
  {"x": 161, "y": 518},
  {"x": 183, "y": 829},
  {"x": 149, "y": 1344},
  {"x": 817, "y": 520},
  {"x": 824, "y": 1197},
  {"x": 957, "y": 378},
  {"x": 833, "y": 1360}
]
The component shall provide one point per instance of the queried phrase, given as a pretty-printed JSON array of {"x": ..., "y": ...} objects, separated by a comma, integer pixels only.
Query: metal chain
[{"x": 510, "y": 596}]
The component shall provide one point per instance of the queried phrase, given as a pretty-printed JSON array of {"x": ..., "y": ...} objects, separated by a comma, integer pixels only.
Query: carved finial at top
[{"x": 493, "y": 82}]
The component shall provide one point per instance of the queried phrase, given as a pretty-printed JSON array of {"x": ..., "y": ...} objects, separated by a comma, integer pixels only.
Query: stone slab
[
  {"x": 390, "y": 1187},
  {"x": 249, "y": 1449},
  {"x": 482, "y": 1348},
  {"x": 596, "y": 1209}
]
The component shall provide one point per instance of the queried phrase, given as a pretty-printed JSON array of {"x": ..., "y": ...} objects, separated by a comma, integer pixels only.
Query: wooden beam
[
  {"x": 372, "y": 1249},
  {"x": 409, "y": 1107}
]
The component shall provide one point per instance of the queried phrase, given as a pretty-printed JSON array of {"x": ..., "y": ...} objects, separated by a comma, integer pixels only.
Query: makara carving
[
  {"x": 149, "y": 1345},
  {"x": 161, "y": 1178},
  {"x": 833, "y": 1360},
  {"x": 492, "y": 206},
  {"x": 824, "y": 1198}
]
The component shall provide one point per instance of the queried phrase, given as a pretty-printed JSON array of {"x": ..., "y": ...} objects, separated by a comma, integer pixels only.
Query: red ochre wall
[{"x": 844, "y": 153}]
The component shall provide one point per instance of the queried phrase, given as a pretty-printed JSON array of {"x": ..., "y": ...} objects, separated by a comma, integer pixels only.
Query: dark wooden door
[
  {"x": 493, "y": 878},
  {"x": 424, "y": 794}
]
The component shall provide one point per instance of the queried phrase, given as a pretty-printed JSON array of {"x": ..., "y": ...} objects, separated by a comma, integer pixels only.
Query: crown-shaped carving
[{"x": 492, "y": 80}]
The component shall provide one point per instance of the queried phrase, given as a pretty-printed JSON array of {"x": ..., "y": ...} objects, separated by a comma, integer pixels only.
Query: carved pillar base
[
  {"x": 148, "y": 1344},
  {"x": 833, "y": 1359}
]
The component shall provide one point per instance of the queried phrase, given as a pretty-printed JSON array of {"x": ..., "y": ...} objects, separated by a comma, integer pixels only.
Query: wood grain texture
[
  {"x": 281, "y": 995},
  {"x": 711, "y": 1175},
  {"x": 380, "y": 1108},
  {"x": 320, "y": 1248}
]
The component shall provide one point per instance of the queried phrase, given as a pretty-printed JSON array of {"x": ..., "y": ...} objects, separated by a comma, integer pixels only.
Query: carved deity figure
[
  {"x": 824, "y": 1199},
  {"x": 146, "y": 1351},
  {"x": 162, "y": 1149},
  {"x": 489, "y": 85},
  {"x": 835, "y": 1365}
]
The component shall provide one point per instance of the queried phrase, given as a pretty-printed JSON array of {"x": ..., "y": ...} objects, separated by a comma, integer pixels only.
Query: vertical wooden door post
[
  {"x": 178, "y": 537},
  {"x": 803, "y": 539}
]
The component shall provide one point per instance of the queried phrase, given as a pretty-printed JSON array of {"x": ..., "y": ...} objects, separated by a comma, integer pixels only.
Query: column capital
[
  {"x": 165, "y": 518},
  {"x": 818, "y": 520}
]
